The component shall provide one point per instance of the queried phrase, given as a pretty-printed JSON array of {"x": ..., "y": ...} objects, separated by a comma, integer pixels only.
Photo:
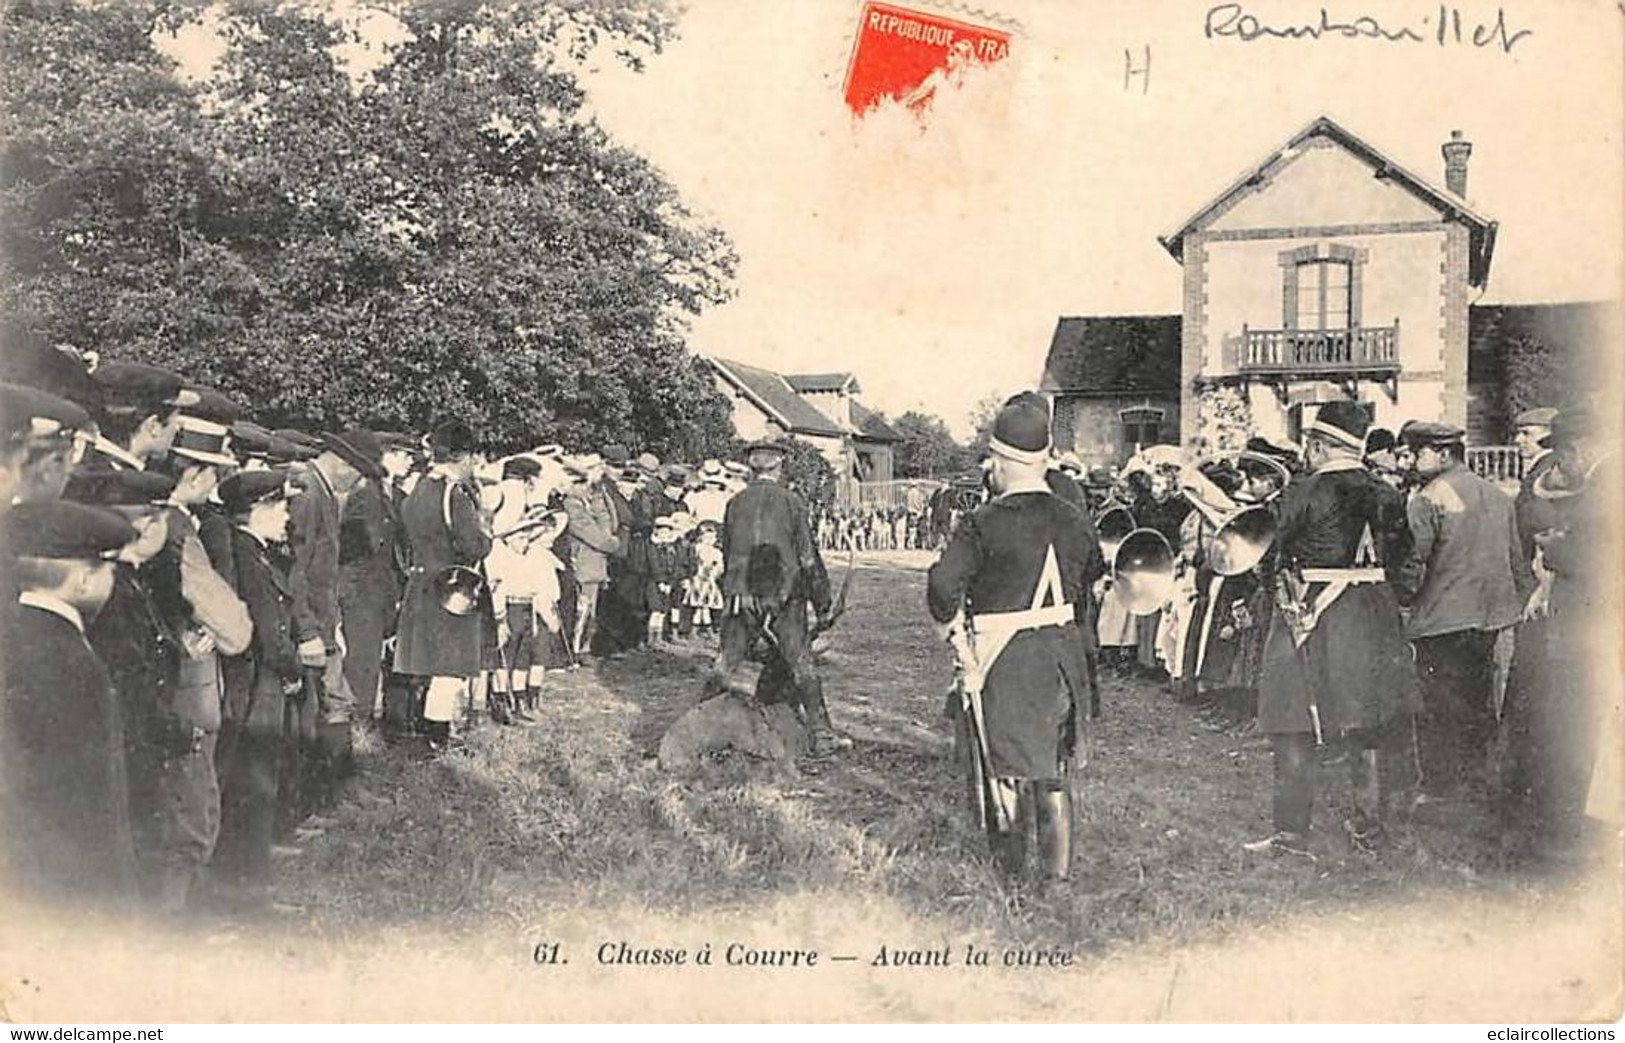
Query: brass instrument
[
  {"x": 1142, "y": 562},
  {"x": 1241, "y": 535},
  {"x": 459, "y": 590},
  {"x": 1113, "y": 527},
  {"x": 1143, "y": 572}
]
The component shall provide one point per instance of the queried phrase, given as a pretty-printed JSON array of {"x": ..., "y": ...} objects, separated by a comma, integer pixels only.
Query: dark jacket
[
  {"x": 768, "y": 552},
  {"x": 315, "y": 575},
  {"x": 431, "y": 641},
  {"x": 273, "y": 658},
  {"x": 1465, "y": 555},
  {"x": 63, "y": 791},
  {"x": 369, "y": 585},
  {"x": 1003, "y": 558}
]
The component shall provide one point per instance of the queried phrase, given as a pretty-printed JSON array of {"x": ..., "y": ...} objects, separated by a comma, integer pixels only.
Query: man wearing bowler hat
[{"x": 1460, "y": 588}]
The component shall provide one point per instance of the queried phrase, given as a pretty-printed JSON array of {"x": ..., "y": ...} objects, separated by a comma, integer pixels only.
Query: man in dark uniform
[
  {"x": 369, "y": 591},
  {"x": 136, "y": 643},
  {"x": 1010, "y": 589},
  {"x": 771, "y": 572},
  {"x": 445, "y": 527},
  {"x": 261, "y": 684},
  {"x": 1336, "y": 667},
  {"x": 1571, "y": 717},
  {"x": 63, "y": 793}
]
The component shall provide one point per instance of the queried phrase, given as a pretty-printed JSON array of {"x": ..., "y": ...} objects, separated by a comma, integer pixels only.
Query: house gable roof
[
  {"x": 1114, "y": 354},
  {"x": 871, "y": 426},
  {"x": 815, "y": 382},
  {"x": 773, "y": 395},
  {"x": 1449, "y": 206}
]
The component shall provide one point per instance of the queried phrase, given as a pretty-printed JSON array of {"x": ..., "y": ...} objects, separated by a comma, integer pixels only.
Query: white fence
[
  {"x": 1495, "y": 463},
  {"x": 908, "y": 493}
]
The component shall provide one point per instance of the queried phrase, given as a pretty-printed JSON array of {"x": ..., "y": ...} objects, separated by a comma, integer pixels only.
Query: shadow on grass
[{"x": 575, "y": 812}]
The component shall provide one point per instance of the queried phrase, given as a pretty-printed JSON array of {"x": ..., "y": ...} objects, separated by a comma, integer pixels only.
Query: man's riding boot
[
  {"x": 1010, "y": 848},
  {"x": 1053, "y": 812},
  {"x": 521, "y": 708}
]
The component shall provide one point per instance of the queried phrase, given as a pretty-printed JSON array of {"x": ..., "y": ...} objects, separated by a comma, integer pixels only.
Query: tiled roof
[
  {"x": 1114, "y": 353},
  {"x": 872, "y": 426},
  {"x": 822, "y": 381},
  {"x": 1450, "y": 206},
  {"x": 774, "y": 395}
]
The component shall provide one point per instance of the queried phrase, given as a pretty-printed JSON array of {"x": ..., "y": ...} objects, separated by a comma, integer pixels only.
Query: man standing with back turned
[{"x": 1010, "y": 589}]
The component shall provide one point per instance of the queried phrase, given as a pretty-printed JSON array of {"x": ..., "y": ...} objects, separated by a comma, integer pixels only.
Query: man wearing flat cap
[
  {"x": 1010, "y": 591},
  {"x": 1459, "y": 583},
  {"x": 141, "y": 407},
  {"x": 261, "y": 685},
  {"x": 38, "y": 436},
  {"x": 771, "y": 572},
  {"x": 369, "y": 588},
  {"x": 64, "y": 796},
  {"x": 1535, "y": 514}
]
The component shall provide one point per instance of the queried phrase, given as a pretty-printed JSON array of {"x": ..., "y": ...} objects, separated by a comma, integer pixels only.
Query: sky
[{"x": 932, "y": 256}]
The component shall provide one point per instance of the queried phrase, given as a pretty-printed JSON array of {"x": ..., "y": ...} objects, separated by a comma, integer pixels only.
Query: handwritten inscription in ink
[{"x": 1445, "y": 27}]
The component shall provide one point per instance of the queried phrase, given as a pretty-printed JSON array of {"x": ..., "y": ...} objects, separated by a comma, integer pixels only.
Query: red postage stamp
[{"x": 907, "y": 55}]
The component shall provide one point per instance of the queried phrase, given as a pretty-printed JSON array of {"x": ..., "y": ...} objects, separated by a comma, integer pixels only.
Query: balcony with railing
[{"x": 1370, "y": 350}]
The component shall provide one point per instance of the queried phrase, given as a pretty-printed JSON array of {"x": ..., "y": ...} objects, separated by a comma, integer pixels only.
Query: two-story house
[
  {"x": 1325, "y": 271},
  {"x": 1329, "y": 271}
]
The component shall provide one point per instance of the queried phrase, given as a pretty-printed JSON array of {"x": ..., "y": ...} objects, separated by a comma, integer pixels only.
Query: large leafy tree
[
  {"x": 444, "y": 231},
  {"x": 928, "y": 450}
]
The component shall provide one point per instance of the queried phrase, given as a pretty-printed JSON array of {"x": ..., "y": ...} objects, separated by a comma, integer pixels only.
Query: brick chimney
[{"x": 1455, "y": 152}]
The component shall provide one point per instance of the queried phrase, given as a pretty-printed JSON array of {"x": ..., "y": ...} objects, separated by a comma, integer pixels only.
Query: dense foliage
[
  {"x": 346, "y": 227},
  {"x": 928, "y": 450}
]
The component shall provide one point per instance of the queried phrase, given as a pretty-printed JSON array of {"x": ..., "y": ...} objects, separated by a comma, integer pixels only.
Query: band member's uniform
[
  {"x": 1014, "y": 579},
  {"x": 1336, "y": 667},
  {"x": 444, "y": 525},
  {"x": 771, "y": 572}
]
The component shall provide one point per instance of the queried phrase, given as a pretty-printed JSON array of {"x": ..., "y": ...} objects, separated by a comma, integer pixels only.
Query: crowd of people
[
  {"x": 202, "y": 614},
  {"x": 1362, "y": 599}
]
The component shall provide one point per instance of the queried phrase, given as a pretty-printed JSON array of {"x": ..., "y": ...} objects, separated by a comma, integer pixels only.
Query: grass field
[{"x": 571, "y": 832}]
